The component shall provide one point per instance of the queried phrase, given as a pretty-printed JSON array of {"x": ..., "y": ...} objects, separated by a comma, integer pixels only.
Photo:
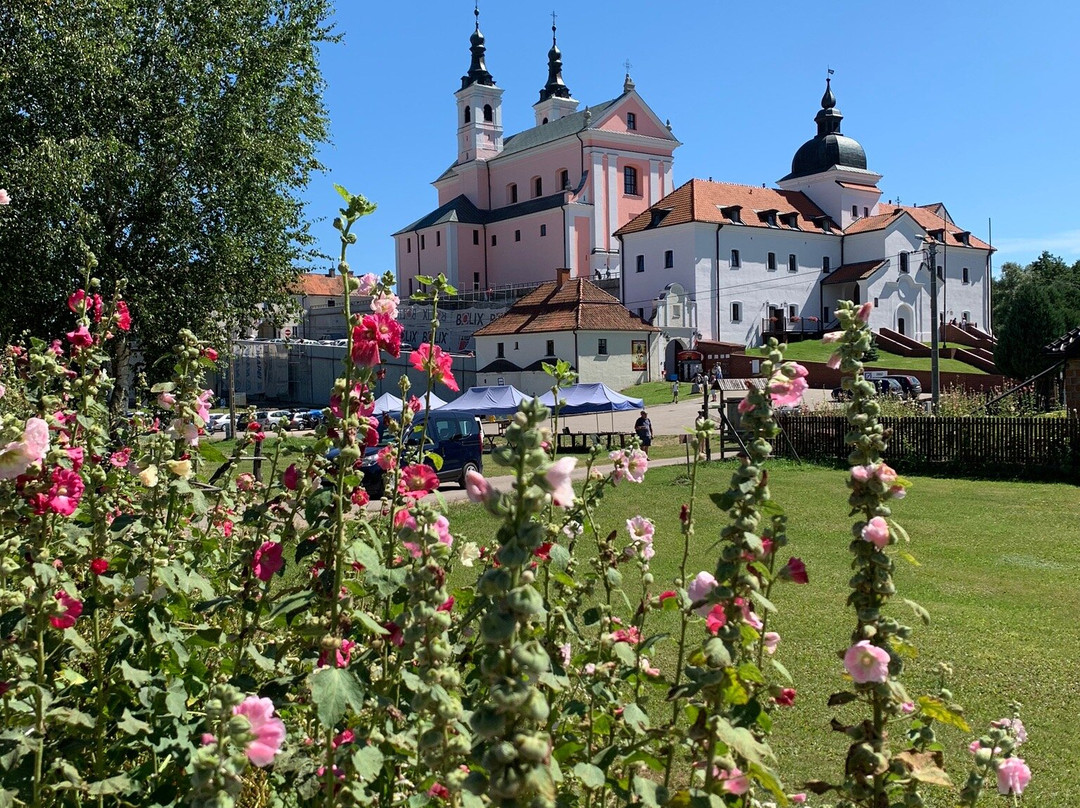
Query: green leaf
[
  {"x": 333, "y": 690},
  {"x": 120, "y": 784},
  {"x": 899, "y": 531},
  {"x": 763, "y": 602},
  {"x": 131, "y": 725},
  {"x": 940, "y": 711},
  {"x": 652, "y": 795},
  {"x": 625, "y": 654},
  {"x": 71, "y": 717},
  {"x": 920, "y": 612},
  {"x": 909, "y": 558},
  {"x": 749, "y": 672},
  {"x": 590, "y": 776},
  {"x": 436, "y": 459},
  {"x": 134, "y": 675},
  {"x": 768, "y": 779},
  {"x": 367, "y": 762},
  {"x": 369, "y": 622},
  {"x": 779, "y": 667},
  {"x": 560, "y": 558},
  {"x": 742, "y": 741},
  {"x": 636, "y": 718},
  {"x": 211, "y": 452}
]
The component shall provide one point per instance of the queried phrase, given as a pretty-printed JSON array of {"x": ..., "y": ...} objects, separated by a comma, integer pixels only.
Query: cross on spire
[{"x": 627, "y": 65}]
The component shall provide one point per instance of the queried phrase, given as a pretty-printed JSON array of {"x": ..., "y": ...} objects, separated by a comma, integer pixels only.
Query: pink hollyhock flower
[
  {"x": 365, "y": 352},
  {"x": 65, "y": 493},
  {"x": 543, "y": 552},
  {"x": 885, "y": 474},
  {"x": 647, "y": 667},
  {"x": 417, "y": 480},
  {"x": 442, "y": 531},
  {"x": 120, "y": 458},
  {"x": 123, "y": 316},
  {"x": 834, "y": 361},
  {"x": 19, "y": 455},
  {"x": 907, "y": 707},
  {"x": 166, "y": 400},
  {"x": 433, "y": 360},
  {"x": 202, "y": 405},
  {"x": 76, "y": 301},
  {"x": 367, "y": 284},
  {"x": 786, "y": 697},
  {"x": 245, "y": 481},
  {"x": 99, "y": 566},
  {"x": 557, "y": 480},
  {"x": 1015, "y": 727},
  {"x": 862, "y": 314},
  {"x": 342, "y": 738},
  {"x": 360, "y": 497},
  {"x": 268, "y": 730},
  {"x": 684, "y": 513},
  {"x": 68, "y": 613},
  {"x": 766, "y": 545},
  {"x": 897, "y": 492},
  {"x": 415, "y": 404},
  {"x": 832, "y": 337},
  {"x": 386, "y": 458},
  {"x": 290, "y": 478},
  {"x": 746, "y": 405},
  {"x": 669, "y": 593},
  {"x": 770, "y": 640},
  {"x": 439, "y": 792},
  {"x": 786, "y": 392},
  {"x": 1013, "y": 775},
  {"x": 342, "y": 655},
  {"x": 876, "y": 532},
  {"x": 371, "y": 434},
  {"x": 5, "y": 197},
  {"x": 749, "y": 615},
  {"x": 394, "y": 633},
  {"x": 385, "y": 303},
  {"x": 447, "y": 605},
  {"x": 210, "y": 353},
  {"x": 734, "y": 781},
  {"x": 799, "y": 798},
  {"x": 267, "y": 561},
  {"x": 80, "y": 337},
  {"x": 255, "y": 432},
  {"x": 629, "y": 635},
  {"x": 564, "y": 653},
  {"x": 795, "y": 571},
  {"x": 641, "y": 532},
  {"x": 861, "y": 474},
  {"x": 716, "y": 619},
  {"x": 376, "y": 332},
  {"x": 867, "y": 663},
  {"x": 699, "y": 590},
  {"x": 75, "y": 455},
  {"x": 477, "y": 487}
]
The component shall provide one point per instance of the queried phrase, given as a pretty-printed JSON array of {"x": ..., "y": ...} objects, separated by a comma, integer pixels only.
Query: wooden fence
[{"x": 1038, "y": 447}]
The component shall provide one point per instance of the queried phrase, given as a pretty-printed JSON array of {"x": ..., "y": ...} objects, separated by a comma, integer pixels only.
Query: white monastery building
[{"x": 592, "y": 190}]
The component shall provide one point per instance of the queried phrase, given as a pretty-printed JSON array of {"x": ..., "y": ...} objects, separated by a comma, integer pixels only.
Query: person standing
[
  {"x": 675, "y": 392},
  {"x": 643, "y": 429}
]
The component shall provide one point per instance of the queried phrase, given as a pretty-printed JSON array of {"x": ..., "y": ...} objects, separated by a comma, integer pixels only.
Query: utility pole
[{"x": 935, "y": 381}]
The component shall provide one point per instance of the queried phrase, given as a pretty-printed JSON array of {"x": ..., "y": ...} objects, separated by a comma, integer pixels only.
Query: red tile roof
[
  {"x": 854, "y": 272},
  {"x": 926, "y": 219},
  {"x": 701, "y": 201},
  {"x": 578, "y": 305},
  {"x": 311, "y": 285}
]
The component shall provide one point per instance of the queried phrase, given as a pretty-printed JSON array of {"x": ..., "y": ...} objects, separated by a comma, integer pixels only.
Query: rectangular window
[
  {"x": 825, "y": 264},
  {"x": 641, "y": 313},
  {"x": 423, "y": 241},
  {"x": 641, "y": 263},
  {"x": 476, "y": 281},
  {"x": 329, "y": 302},
  {"x": 564, "y": 179},
  {"x": 865, "y": 212},
  {"x": 825, "y": 315},
  {"x": 515, "y": 345},
  {"x": 494, "y": 240},
  {"x": 736, "y": 312},
  {"x": 511, "y": 193},
  {"x": 792, "y": 312},
  {"x": 500, "y": 351},
  {"x": 538, "y": 187},
  {"x": 601, "y": 346},
  {"x": 475, "y": 236},
  {"x": 550, "y": 348},
  {"x": 792, "y": 263},
  {"x": 669, "y": 259},
  {"x": 875, "y": 302},
  {"x": 771, "y": 263},
  {"x": 630, "y": 181},
  {"x": 854, "y": 211},
  {"x": 543, "y": 230},
  {"x": 438, "y": 238},
  {"x": 735, "y": 262},
  {"x": 410, "y": 287},
  {"x": 408, "y": 245},
  {"x": 631, "y": 121},
  {"x": 905, "y": 266},
  {"x": 517, "y": 235},
  {"x": 965, "y": 276}
]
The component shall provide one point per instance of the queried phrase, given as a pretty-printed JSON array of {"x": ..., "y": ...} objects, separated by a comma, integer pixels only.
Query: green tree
[
  {"x": 170, "y": 139},
  {"x": 1036, "y": 314}
]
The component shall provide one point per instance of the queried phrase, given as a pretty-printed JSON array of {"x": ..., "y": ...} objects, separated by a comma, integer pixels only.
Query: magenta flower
[
  {"x": 746, "y": 406},
  {"x": 267, "y": 561},
  {"x": 68, "y": 613},
  {"x": 99, "y": 566},
  {"x": 557, "y": 480},
  {"x": 867, "y": 663},
  {"x": 734, "y": 781},
  {"x": 417, "y": 480},
  {"x": 80, "y": 337},
  {"x": 795, "y": 571},
  {"x": 699, "y": 590},
  {"x": 786, "y": 697},
  {"x": 123, "y": 316},
  {"x": 716, "y": 619},
  {"x": 121, "y": 458},
  {"x": 290, "y": 478},
  {"x": 862, "y": 314},
  {"x": 433, "y": 360},
  {"x": 386, "y": 458},
  {"x": 268, "y": 731},
  {"x": 876, "y": 532},
  {"x": 65, "y": 493},
  {"x": 202, "y": 405},
  {"x": 1013, "y": 775},
  {"x": 342, "y": 655}
]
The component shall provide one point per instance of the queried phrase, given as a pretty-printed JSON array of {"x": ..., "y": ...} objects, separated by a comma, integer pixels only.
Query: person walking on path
[
  {"x": 715, "y": 386},
  {"x": 675, "y": 392},
  {"x": 643, "y": 428}
]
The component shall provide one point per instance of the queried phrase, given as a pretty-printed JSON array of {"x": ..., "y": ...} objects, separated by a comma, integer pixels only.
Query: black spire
[
  {"x": 478, "y": 73},
  {"x": 555, "y": 87},
  {"x": 828, "y": 117}
]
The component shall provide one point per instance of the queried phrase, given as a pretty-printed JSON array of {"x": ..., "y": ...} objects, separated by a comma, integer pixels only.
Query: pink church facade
[{"x": 511, "y": 209}]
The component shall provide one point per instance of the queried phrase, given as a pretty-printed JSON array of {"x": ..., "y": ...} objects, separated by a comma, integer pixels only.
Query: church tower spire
[
  {"x": 479, "y": 103},
  {"x": 555, "y": 101}
]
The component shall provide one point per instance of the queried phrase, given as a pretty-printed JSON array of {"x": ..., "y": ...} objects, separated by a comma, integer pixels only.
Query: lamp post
[{"x": 935, "y": 381}]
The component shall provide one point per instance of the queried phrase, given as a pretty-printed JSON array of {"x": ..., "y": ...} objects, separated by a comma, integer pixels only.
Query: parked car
[
  {"x": 887, "y": 386},
  {"x": 298, "y": 420},
  {"x": 911, "y": 385},
  {"x": 219, "y": 422},
  {"x": 456, "y": 437},
  {"x": 269, "y": 419}
]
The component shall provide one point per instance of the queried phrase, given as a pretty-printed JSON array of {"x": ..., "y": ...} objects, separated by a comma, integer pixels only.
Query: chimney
[{"x": 562, "y": 275}]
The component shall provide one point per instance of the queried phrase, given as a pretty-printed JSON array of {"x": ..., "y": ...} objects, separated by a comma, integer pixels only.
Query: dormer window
[
  {"x": 792, "y": 220},
  {"x": 733, "y": 213},
  {"x": 768, "y": 216},
  {"x": 823, "y": 223},
  {"x": 631, "y": 121},
  {"x": 964, "y": 237}
]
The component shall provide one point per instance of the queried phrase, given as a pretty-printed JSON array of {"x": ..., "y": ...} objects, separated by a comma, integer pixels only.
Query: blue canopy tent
[
  {"x": 484, "y": 401},
  {"x": 580, "y": 399},
  {"x": 389, "y": 403}
]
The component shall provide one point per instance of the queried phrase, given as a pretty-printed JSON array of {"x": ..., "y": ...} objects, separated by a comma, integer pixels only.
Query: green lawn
[
  {"x": 653, "y": 393},
  {"x": 814, "y": 350},
  {"x": 999, "y": 564}
]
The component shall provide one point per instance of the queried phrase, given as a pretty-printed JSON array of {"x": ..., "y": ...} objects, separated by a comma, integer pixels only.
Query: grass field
[
  {"x": 814, "y": 350},
  {"x": 999, "y": 565}
]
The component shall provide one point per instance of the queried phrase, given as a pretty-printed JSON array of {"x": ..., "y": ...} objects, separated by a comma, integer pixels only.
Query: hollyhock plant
[
  {"x": 787, "y": 385},
  {"x": 366, "y": 284},
  {"x": 66, "y": 491},
  {"x": 434, "y": 361},
  {"x": 876, "y": 531},
  {"x": 290, "y": 478},
  {"x": 268, "y": 731},
  {"x": 557, "y": 480},
  {"x": 99, "y": 566},
  {"x": 80, "y": 337},
  {"x": 1013, "y": 776},
  {"x": 267, "y": 560},
  {"x": 31, "y": 448},
  {"x": 70, "y": 609},
  {"x": 417, "y": 480},
  {"x": 794, "y": 571},
  {"x": 477, "y": 487},
  {"x": 867, "y": 663},
  {"x": 123, "y": 319},
  {"x": 641, "y": 532},
  {"x": 699, "y": 590},
  {"x": 385, "y": 303}
]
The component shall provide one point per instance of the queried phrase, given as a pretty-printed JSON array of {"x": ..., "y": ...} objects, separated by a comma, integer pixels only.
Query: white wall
[{"x": 614, "y": 369}]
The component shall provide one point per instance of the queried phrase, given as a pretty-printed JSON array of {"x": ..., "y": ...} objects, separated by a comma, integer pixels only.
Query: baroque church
[{"x": 591, "y": 190}]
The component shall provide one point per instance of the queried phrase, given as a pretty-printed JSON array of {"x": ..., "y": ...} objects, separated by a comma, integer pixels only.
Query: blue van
[{"x": 455, "y": 436}]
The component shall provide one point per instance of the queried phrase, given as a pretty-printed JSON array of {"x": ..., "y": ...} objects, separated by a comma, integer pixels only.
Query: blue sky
[{"x": 972, "y": 104}]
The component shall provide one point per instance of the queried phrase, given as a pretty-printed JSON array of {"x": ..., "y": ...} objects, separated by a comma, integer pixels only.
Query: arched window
[
  {"x": 468, "y": 114},
  {"x": 630, "y": 185},
  {"x": 538, "y": 187},
  {"x": 489, "y": 115}
]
